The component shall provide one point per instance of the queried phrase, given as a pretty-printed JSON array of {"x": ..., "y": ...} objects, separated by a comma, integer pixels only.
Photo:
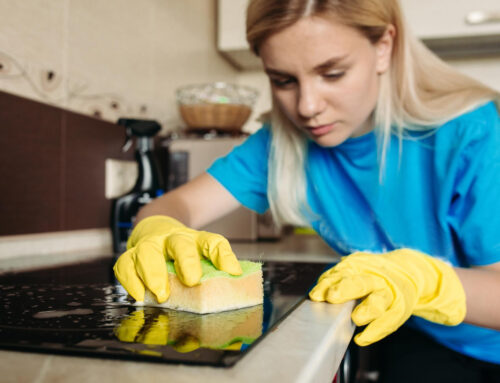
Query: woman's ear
[{"x": 383, "y": 49}]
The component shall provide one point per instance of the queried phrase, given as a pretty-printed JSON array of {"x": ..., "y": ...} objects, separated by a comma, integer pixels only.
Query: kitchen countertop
[{"x": 307, "y": 346}]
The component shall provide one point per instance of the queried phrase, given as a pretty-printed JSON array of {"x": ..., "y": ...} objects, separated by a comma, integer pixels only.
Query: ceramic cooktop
[{"x": 81, "y": 309}]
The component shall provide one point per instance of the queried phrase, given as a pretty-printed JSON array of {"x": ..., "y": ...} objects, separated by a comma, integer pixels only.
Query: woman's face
[{"x": 325, "y": 77}]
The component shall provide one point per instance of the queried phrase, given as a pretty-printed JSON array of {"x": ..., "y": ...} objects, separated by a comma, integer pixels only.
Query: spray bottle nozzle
[
  {"x": 137, "y": 128},
  {"x": 140, "y": 128}
]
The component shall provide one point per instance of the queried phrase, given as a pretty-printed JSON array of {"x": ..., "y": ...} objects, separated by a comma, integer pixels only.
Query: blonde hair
[{"x": 419, "y": 91}]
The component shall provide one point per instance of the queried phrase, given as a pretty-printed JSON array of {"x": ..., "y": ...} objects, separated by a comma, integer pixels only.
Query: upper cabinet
[
  {"x": 449, "y": 27},
  {"x": 231, "y": 34},
  {"x": 456, "y": 28},
  {"x": 431, "y": 19}
]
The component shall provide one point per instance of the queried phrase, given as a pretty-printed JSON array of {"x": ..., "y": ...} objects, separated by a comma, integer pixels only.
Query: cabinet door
[
  {"x": 231, "y": 24},
  {"x": 231, "y": 36},
  {"x": 436, "y": 19}
]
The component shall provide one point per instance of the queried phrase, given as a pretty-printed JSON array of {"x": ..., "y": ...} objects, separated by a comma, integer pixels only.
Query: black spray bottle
[{"x": 149, "y": 181}]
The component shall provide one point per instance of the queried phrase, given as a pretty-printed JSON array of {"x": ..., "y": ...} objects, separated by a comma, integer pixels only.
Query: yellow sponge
[{"x": 218, "y": 290}]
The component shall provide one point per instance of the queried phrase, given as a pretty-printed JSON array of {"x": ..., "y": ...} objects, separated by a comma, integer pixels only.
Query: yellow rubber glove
[
  {"x": 395, "y": 286},
  {"x": 159, "y": 238}
]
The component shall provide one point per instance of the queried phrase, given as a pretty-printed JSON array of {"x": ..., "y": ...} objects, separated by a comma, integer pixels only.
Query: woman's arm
[
  {"x": 195, "y": 204},
  {"x": 482, "y": 290}
]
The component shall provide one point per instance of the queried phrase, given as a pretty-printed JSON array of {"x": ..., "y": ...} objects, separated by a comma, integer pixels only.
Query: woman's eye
[
  {"x": 282, "y": 82},
  {"x": 334, "y": 75}
]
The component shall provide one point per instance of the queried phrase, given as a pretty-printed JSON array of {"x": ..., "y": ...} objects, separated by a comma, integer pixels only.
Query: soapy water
[
  {"x": 61, "y": 313},
  {"x": 63, "y": 306}
]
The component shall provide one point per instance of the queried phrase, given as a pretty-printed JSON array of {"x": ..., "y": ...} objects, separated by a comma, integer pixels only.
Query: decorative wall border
[{"x": 49, "y": 86}]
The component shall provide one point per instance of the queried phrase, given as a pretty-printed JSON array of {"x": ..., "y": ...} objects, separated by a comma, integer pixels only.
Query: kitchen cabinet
[
  {"x": 452, "y": 28},
  {"x": 456, "y": 28},
  {"x": 231, "y": 34},
  {"x": 430, "y": 19}
]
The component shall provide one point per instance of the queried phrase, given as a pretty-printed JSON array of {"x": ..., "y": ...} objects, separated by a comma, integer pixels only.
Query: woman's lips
[{"x": 320, "y": 130}]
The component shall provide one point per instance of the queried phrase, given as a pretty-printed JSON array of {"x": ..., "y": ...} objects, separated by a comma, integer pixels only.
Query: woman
[{"x": 390, "y": 155}]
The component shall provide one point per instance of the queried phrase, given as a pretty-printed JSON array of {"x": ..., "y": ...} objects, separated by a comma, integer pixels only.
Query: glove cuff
[
  {"x": 448, "y": 304},
  {"x": 441, "y": 295}
]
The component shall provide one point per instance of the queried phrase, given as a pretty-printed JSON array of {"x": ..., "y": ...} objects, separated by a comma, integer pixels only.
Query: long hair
[{"x": 419, "y": 91}]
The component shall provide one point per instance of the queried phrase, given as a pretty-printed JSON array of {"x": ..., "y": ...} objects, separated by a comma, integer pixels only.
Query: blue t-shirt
[{"x": 439, "y": 195}]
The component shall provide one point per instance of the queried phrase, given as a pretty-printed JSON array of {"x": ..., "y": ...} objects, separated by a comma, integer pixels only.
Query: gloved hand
[
  {"x": 395, "y": 286},
  {"x": 159, "y": 238}
]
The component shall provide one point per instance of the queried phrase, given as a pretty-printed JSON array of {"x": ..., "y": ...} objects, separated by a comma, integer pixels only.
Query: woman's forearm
[
  {"x": 195, "y": 204},
  {"x": 482, "y": 290},
  {"x": 164, "y": 205}
]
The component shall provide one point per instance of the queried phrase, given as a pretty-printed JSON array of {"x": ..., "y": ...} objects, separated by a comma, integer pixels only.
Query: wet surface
[{"x": 81, "y": 310}]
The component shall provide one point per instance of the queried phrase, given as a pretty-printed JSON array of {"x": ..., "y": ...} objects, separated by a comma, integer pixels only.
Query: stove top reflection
[{"x": 82, "y": 310}]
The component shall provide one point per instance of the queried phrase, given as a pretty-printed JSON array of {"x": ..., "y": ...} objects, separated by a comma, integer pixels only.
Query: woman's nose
[{"x": 310, "y": 102}]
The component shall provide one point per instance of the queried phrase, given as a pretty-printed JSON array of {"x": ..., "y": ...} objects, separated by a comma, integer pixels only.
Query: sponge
[{"x": 218, "y": 290}]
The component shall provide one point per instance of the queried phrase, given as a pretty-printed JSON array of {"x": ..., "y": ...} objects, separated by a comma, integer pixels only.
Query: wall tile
[
  {"x": 30, "y": 157},
  {"x": 110, "y": 52},
  {"x": 53, "y": 167},
  {"x": 32, "y": 36},
  {"x": 88, "y": 142}
]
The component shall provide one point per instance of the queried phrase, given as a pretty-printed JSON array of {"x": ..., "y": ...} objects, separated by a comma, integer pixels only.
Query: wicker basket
[
  {"x": 215, "y": 116},
  {"x": 218, "y": 106}
]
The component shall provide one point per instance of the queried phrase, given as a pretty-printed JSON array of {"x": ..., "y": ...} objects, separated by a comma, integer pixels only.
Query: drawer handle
[{"x": 482, "y": 17}]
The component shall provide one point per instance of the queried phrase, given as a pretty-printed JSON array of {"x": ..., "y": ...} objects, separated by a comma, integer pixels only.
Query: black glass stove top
[{"x": 82, "y": 310}]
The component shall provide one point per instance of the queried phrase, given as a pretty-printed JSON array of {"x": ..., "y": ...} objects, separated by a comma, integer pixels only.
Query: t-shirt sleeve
[
  {"x": 243, "y": 172},
  {"x": 475, "y": 209}
]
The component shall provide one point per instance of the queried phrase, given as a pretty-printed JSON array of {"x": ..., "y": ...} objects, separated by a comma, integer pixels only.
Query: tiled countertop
[{"x": 307, "y": 346}]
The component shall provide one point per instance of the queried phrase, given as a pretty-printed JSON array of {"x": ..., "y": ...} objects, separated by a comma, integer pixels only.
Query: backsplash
[{"x": 53, "y": 167}]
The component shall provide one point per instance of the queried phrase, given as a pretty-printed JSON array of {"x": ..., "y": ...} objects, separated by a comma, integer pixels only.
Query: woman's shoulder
[
  {"x": 258, "y": 139},
  {"x": 485, "y": 115},
  {"x": 479, "y": 124},
  {"x": 262, "y": 134},
  {"x": 471, "y": 138}
]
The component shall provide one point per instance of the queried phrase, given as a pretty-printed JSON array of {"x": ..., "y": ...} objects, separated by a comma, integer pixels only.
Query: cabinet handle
[{"x": 482, "y": 17}]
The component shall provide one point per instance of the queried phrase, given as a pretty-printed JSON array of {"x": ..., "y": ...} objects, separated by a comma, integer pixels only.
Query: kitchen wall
[
  {"x": 68, "y": 70},
  {"x": 109, "y": 58}
]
